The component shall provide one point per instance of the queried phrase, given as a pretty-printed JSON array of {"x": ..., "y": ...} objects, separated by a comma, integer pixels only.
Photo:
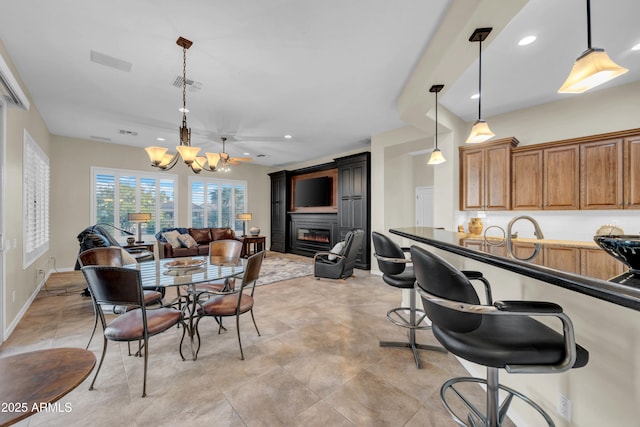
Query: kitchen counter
[{"x": 621, "y": 294}]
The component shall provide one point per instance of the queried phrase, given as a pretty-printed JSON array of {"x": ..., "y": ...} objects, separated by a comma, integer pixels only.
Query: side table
[
  {"x": 258, "y": 243},
  {"x": 142, "y": 251}
]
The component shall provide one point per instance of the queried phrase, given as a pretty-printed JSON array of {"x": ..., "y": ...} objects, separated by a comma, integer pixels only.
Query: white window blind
[
  {"x": 117, "y": 192},
  {"x": 35, "y": 200},
  {"x": 216, "y": 202}
]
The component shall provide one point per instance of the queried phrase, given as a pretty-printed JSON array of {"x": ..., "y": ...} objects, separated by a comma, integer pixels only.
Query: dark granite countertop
[{"x": 621, "y": 294}]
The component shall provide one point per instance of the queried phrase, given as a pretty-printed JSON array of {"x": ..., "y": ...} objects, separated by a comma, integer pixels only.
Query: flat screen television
[{"x": 313, "y": 192}]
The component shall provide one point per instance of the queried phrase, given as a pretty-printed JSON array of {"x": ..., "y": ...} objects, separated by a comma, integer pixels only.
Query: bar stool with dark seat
[
  {"x": 499, "y": 335},
  {"x": 397, "y": 272}
]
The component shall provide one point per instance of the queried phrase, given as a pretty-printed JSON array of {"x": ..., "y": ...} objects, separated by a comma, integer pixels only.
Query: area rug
[{"x": 276, "y": 269}]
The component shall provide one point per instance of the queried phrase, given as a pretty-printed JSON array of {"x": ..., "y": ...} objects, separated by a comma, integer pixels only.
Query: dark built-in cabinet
[
  {"x": 306, "y": 231},
  {"x": 354, "y": 201},
  {"x": 280, "y": 196}
]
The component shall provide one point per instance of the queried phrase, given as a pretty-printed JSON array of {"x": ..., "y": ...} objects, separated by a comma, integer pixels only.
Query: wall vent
[{"x": 128, "y": 132}]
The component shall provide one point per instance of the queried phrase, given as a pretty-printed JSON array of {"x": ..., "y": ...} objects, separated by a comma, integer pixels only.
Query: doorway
[{"x": 424, "y": 206}]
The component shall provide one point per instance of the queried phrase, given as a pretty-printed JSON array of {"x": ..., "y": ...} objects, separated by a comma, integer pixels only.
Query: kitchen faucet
[{"x": 537, "y": 233}]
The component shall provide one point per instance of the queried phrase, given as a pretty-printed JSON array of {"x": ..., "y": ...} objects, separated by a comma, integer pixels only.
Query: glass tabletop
[{"x": 182, "y": 271}]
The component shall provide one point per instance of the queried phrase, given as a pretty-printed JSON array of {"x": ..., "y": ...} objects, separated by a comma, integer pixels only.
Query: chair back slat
[
  {"x": 441, "y": 279},
  {"x": 387, "y": 248},
  {"x": 226, "y": 248},
  {"x": 110, "y": 255},
  {"x": 252, "y": 269},
  {"x": 114, "y": 285}
]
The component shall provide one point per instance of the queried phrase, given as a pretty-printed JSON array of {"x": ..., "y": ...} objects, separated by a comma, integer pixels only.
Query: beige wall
[
  {"x": 71, "y": 188},
  {"x": 18, "y": 281}
]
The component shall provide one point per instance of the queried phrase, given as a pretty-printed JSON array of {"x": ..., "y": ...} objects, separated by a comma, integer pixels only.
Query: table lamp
[
  {"x": 139, "y": 218},
  {"x": 244, "y": 217}
]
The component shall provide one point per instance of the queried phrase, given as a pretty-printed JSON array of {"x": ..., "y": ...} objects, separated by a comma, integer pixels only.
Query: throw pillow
[
  {"x": 187, "y": 241},
  {"x": 172, "y": 238},
  {"x": 337, "y": 250}
]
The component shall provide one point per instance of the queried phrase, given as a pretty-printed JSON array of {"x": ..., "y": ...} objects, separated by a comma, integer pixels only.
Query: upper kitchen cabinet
[
  {"x": 561, "y": 177},
  {"x": 485, "y": 175},
  {"x": 632, "y": 172},
  {"x": 601, "y": 175},
  {"x": 526, "y": 180}
]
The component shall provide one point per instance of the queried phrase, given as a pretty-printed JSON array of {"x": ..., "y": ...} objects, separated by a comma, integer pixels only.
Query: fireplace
[
  {"x": 313, "y": 232},
  {"x": 318, "y": 235}
]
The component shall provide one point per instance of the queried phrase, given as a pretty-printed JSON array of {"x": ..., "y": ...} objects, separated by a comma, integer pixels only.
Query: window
[
  {"x": 116, "y": 193},
  {"x": 217, "y": 202},
  {"x": 35, "y": 200}
]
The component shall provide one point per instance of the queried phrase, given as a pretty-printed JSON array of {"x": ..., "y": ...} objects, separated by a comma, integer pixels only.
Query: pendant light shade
[
  {"x": 592, "y": 68},
  {"x": 480, "y": 131},
  {"x": 436, "y": 155}
]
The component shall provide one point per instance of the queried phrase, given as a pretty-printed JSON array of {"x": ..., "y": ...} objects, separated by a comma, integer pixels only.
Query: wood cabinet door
[
  {"x": 632, "y": 173},
  {"x": 561, "y": 177},
  {"x": 562, "y": 258},
  {"x": 472, "y": 179},
  {"x": 527, "y": 251},
  {"x": 599, "y": 264},
  {"x": 526, "y": 180},
  {"x": 601, "y": 175},
  {"x": 497, "y": 172}
]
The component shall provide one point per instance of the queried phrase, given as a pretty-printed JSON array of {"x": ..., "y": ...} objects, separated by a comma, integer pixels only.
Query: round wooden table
[{"x": 31, "y": 381}]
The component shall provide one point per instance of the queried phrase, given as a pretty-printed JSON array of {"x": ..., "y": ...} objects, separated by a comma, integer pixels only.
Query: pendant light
[
  {"x": 592, "y": 68},
  {"x": 480, "y": 131},
  {"x": 189, "y": 154},
  {"x": 436, "y": 155}
]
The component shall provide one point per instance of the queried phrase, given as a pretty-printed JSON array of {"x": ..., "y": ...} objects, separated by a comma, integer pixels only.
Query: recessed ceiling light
[
  {"x": 160, "y": 139},
  {"x": 246, "y": 154},
  {"x": 183, "y": 110},
  {"x": 475, "y": 96},
  {"x": 526, "y": 40},
  {"x": 288, "y": 137},
  {"x": 636, "y": 47}
]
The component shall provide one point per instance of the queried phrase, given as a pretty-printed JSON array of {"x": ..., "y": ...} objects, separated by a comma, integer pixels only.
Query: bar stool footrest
[
  {"x": 476, "y": 417},
  {"x": 397, "y": 317}
]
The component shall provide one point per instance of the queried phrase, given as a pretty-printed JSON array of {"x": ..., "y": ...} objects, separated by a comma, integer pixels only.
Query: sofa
[{"x": 180, "y": 242}]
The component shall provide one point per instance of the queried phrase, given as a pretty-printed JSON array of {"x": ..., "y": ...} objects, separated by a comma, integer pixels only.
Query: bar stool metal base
[
  {"x": 396, "y": 316},
  {"x": 496, "y": 412}
]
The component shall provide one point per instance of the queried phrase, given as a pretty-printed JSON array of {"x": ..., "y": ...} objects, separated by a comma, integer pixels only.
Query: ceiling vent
[
  {"x": 192, "y": 85},
  {"x": 128, "y": 132},
  {"x": 110, "y": 61},
  {"x": 100, "y": 138},
  {"x": 11, "y": 89}
]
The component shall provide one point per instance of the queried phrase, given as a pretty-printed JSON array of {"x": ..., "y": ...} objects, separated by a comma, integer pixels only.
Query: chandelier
[{"x": 189, "y": 154}]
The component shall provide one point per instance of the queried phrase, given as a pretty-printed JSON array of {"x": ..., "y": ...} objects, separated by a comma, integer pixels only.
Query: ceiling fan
[{"x": 226, "y": 159}]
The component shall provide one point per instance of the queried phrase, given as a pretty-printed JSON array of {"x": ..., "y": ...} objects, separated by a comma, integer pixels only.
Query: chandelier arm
[{"x": 171, "y": 164}]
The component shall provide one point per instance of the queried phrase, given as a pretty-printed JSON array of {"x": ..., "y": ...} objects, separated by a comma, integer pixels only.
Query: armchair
[{"x": 339, "y": 265}]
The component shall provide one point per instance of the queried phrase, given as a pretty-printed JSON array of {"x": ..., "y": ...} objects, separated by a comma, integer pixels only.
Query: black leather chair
[
  {"x": 500, "y": 335},
  {"x": 397, "y": 272},
  {"x": 339, "y": 266}
]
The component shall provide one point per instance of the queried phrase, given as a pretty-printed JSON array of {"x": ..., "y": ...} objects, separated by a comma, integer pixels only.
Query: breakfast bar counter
[{"x": 626, "y": 295}]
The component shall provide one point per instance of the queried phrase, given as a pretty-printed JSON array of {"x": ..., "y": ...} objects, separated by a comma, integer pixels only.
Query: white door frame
[
  {"x": 424, "y": 197},
  {"x": 3, "y": 156}
]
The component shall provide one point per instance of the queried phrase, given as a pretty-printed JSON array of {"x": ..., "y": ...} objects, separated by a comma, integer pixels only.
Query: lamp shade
[
  {"x": 188, "y": 153},
  {"x": 591, "y": 69},
  {"x": 480, "y": 132},
  {"x": 436, "y": 157},
  {"x": 245, "y": 216},
  {"x": 156, "y": 154},
  {"x": 139, "y": 217}
]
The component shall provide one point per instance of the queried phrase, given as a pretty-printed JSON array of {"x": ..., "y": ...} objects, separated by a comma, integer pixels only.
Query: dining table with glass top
[{"x": 184, "y": 274}]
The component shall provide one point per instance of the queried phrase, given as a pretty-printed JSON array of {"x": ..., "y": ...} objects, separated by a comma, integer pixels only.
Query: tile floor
[{"x": 317, "y": 363}]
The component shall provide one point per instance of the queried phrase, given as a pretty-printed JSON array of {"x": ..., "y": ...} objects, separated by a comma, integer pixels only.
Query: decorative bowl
[
  {"x": 254, "y": 231},
  {"x": 625, "y": 248}
]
